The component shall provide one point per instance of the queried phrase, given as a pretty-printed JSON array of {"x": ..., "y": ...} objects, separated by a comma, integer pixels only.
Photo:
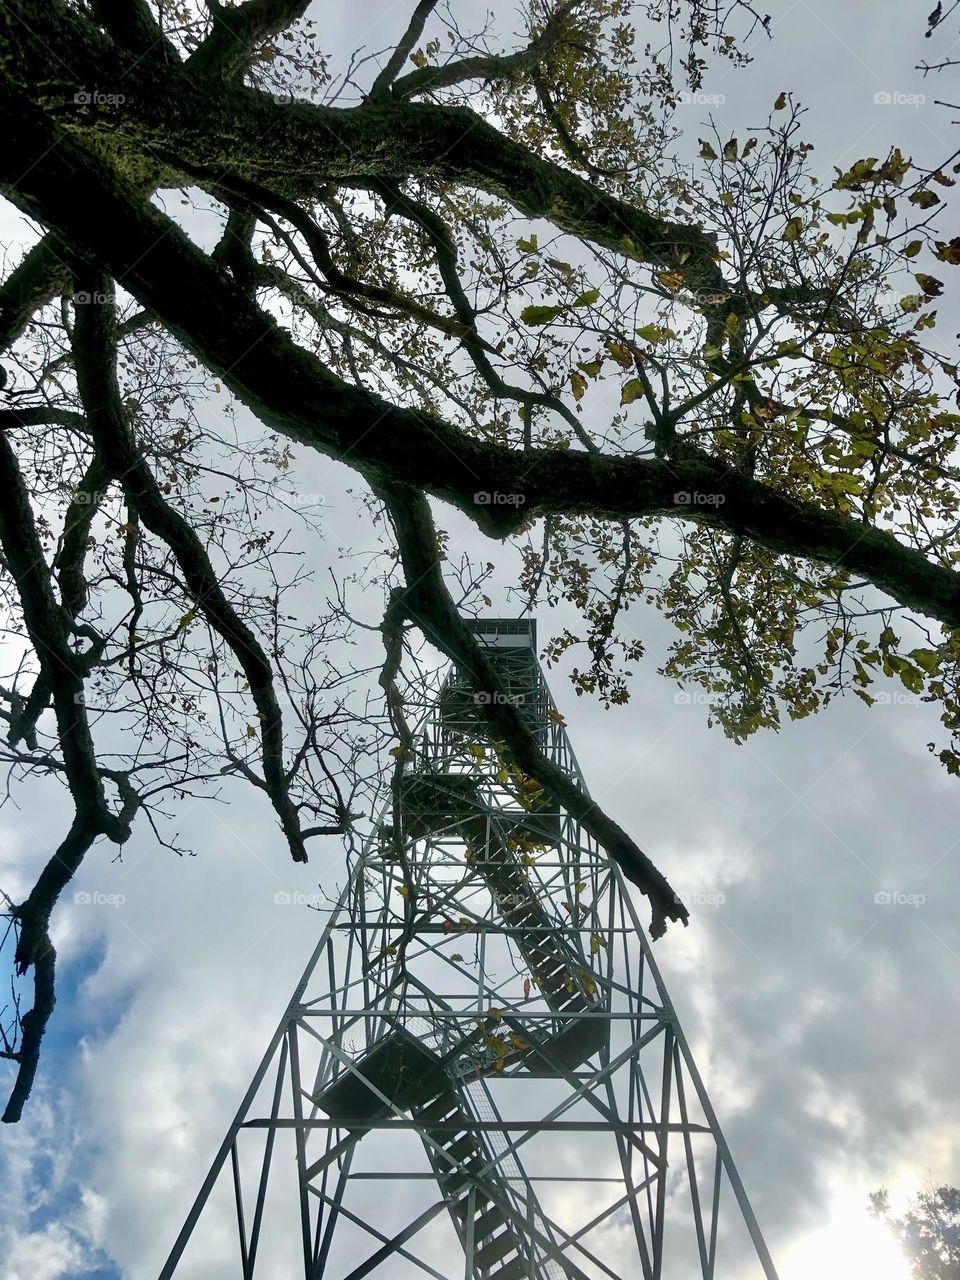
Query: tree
[
  {"x": 481, "y": 277},
  {"x": 928, "y": 1232}
]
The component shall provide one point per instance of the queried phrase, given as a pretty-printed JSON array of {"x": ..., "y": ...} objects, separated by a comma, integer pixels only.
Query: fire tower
[{"x": 480, "y": 1074}]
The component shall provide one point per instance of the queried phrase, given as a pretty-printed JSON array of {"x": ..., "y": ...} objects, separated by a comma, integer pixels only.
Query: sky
[{"x": 824, "y": 1020}]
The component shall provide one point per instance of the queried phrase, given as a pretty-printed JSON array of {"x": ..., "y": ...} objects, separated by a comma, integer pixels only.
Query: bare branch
[{"x": 488, "y": 67}]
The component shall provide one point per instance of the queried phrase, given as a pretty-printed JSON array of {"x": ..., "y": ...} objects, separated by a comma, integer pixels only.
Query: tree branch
[
  {"x": 404, "y": 48},
  {"x": 428, "y": 603},
  {"x": 40, "y": 276},
  {"x": 487, "y": 66},
  {"x": 290, "y": 390},
  {"x": 236, "y": 32},
  {"x": 131, "y": 23},
  {"x": 94, "y": 346}
]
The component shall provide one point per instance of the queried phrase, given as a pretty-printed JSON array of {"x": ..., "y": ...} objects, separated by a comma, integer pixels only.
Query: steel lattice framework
[{"x": 480, "y": 1073}]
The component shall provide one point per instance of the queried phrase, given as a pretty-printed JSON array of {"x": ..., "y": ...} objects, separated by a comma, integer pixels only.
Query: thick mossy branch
[{"x": 289, "y": 389}]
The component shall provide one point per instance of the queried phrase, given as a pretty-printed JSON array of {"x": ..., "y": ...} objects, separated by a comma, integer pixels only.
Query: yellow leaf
[
  {"x": 792, "y": 230},
  {"x": 419, "y": 59},
  {"x": 929, "y": 284},
  {"x": 579, "y": 385},
  {"x": 780, "y": 103},
  {"x": 631, "y": 390},
  {"x": 251, "y": 731}
]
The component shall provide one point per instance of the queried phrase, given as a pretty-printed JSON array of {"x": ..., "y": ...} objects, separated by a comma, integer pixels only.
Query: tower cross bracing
[{"x": 480, "y": 1073}]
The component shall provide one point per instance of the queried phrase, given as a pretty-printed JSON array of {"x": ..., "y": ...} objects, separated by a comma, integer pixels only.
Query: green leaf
[
  {"x": 528, "y": 246},
  {"x": 540, "y": 315},
  {"x": 792, "y": 230},
  {"x": 928, "y": 659},
  {"x": 780, "y": 103},
  {"x": 587, "y": 299},
  {"x": 655, "y": 333},
  {"x": 631, "y": 391},
  {"x": 925, "y": 199},
  {"x": 912, "y": 249}
]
